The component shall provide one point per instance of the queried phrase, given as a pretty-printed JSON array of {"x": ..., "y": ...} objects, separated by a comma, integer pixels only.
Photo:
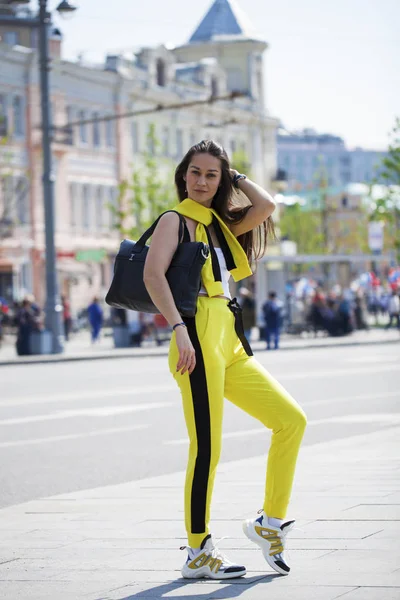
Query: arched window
[{"x": 160, "y": 72}]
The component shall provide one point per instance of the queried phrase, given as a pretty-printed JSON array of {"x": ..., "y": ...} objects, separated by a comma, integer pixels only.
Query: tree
[
  {"x": 146, "y": 194},
  {"x": 302, "y": 227},
  {"x": 240, "y": 161},
  {"x": 13, "y": 193},
  {"x": 386, "y": 208}
]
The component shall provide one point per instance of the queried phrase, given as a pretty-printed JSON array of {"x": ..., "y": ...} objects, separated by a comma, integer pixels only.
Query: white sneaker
[
  {"x": 209, "y": 562},
  {"x": 271, "y": 541}
]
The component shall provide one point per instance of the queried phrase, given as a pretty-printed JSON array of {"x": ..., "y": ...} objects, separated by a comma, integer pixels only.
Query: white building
[{"x": 222, "y": 56}]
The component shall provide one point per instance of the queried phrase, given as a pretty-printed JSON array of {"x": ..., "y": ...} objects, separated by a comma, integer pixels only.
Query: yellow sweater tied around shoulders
[{"x": 241, "y": 268}]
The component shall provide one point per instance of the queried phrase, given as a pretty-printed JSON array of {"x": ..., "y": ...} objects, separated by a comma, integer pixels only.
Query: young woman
[{"x": 211, "y": 360}]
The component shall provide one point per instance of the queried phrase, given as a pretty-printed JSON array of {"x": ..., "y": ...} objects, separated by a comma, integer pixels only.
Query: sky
[{"x": 331, "y": 65}]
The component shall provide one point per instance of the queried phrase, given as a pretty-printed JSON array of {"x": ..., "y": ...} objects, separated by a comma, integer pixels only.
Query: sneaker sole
[
  {"x": 253, "y": 537},
  {"x": 204, "y": 573}
]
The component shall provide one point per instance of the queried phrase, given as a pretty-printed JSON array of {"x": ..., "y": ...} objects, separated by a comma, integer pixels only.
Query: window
[
  {"x": 21, "y": 199},
  {"x": 235, "y": 80},
  {"x": 165, "y": 141},
  {"x": 26, "y": 276},
  {"x": 214, "y": 86},
  {"x": 96, "y": 130},
  {"x": 18, "y": 116},
  {"x": 82, "y": 127},
  {"x": 346, "y": 177},
  {"x": 34, "y": 38},
  {"x": 3, "y": 116},
  {"x": 233, "y": 146},
  {"x": 11, "y": 38},
  {"x": 69, "y": 131},
  {"x": 345, "y": 202},
  {"x": 103, "y": 275},
  {"x": 99, "y": 208},
  {"x": 110, "y": 140},
  {"x": 151, "y": 139},
  {"x": 161, "y": 79},
  {"x": 192, "y": 138},
  {"x": 179, "y": 143},
  {"x": 86, "y": 208},
  {"x": 112, "y": 200},
  {"x": 135, "y": 137},
  {"x": 73, "y": 205}
]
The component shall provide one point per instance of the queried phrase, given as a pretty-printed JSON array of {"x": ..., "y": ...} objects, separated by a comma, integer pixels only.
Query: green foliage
[
  {"x": 240, "y": 161},
  {"x": 147, "y": 194},
  {"x": 9, "y": 193},
  {"x": 387, "y": 207},
  {"x": 304, "y": 228}
]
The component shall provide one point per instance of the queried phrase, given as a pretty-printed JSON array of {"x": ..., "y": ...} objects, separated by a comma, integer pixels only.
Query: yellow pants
[{"x": 224, "y": 370}]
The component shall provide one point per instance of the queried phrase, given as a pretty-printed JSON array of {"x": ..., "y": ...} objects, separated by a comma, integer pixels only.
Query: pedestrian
[
  {"x": 248, "y": 305},
  {"x": 360, "y": 312},
  {"x": 394, "y": 310},
  {"x": 26, "y": 322},
  {"x": 95, "y": 316},
  {"x": 344, "y": 314},
  {"x": 67, "y": 317},
  {"x": 210, "y": 357},
  {"x": 272, "y": 311},
  {"x": 1, "y": 320}
]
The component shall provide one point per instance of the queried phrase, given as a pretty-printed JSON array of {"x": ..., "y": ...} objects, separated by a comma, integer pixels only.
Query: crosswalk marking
[
  {"x": 71, "y": 436},
  {"x": 98, "y": 411},
  {"x": 78, "y": 396}
]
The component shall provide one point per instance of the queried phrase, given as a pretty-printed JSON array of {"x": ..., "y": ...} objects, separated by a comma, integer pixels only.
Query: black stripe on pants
[{"x": 201, "y": 409}]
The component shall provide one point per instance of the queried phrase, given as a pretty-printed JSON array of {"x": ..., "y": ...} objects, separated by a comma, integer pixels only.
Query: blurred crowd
[
  {"x": 307, "y": 308},
  {"x": 366, "y": 302}
]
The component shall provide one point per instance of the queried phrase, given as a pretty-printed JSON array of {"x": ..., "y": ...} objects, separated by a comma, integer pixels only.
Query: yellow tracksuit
[{"x": 224, "y": 370}]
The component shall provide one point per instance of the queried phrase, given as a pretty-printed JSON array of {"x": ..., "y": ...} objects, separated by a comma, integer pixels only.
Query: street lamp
[{"x": 53, "y": 306}]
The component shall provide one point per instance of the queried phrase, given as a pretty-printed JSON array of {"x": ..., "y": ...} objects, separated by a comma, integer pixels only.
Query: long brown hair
[{"x": 254, "y": 242}]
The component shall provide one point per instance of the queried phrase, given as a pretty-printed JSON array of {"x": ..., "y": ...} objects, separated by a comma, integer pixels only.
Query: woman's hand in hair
[{"x": 187, "y": 354}]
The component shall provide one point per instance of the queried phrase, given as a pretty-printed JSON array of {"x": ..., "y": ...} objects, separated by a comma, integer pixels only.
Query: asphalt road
[{"x": 79, "y": 425}]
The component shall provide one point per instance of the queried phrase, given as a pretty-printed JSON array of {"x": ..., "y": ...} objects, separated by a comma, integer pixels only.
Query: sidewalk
[
  {"x": 80, "y": 348},
  {"x": 122, "y": 542}
]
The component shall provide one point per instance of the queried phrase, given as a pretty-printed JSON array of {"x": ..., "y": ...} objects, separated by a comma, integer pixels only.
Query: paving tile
[
  {"x": 332, "y": 576},
  {"x": 245, "y": 588},
  {"x": 385, "y": 512},
  {"x": 338, "y": 529},
  {"x": 111, "y": 579},
  {"x": 360, "y": 561},
  {"x": 171, "y": 543},
  {"x": 373, "y": 593},
  {"x": 47, "y": 590},
  {"x": 369, "y": 543}
]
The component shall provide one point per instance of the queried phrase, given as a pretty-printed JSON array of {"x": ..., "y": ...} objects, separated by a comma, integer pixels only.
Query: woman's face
[{"x": 203, "y": 178}]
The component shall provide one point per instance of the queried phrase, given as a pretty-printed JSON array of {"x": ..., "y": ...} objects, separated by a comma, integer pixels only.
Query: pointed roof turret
[{"x": 224, "y": 18}]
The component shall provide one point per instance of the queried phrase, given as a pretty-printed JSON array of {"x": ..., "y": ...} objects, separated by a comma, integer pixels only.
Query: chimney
[{"x": 55, "y": 42}]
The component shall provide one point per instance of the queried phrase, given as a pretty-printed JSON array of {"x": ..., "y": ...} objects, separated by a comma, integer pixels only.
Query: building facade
[
  {"x": 306, "y": 155},
  {"x": 94, "y": 152}
]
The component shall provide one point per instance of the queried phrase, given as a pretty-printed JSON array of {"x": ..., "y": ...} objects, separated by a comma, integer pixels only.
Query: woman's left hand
[{"x": 233, "y": 172}]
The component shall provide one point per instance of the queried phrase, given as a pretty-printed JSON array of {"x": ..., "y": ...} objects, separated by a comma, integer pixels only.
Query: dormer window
[{"x": 161, "y": 79}]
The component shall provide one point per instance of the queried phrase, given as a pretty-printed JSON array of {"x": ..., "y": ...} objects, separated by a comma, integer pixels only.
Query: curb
[{"x": 146, "y": 354}]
